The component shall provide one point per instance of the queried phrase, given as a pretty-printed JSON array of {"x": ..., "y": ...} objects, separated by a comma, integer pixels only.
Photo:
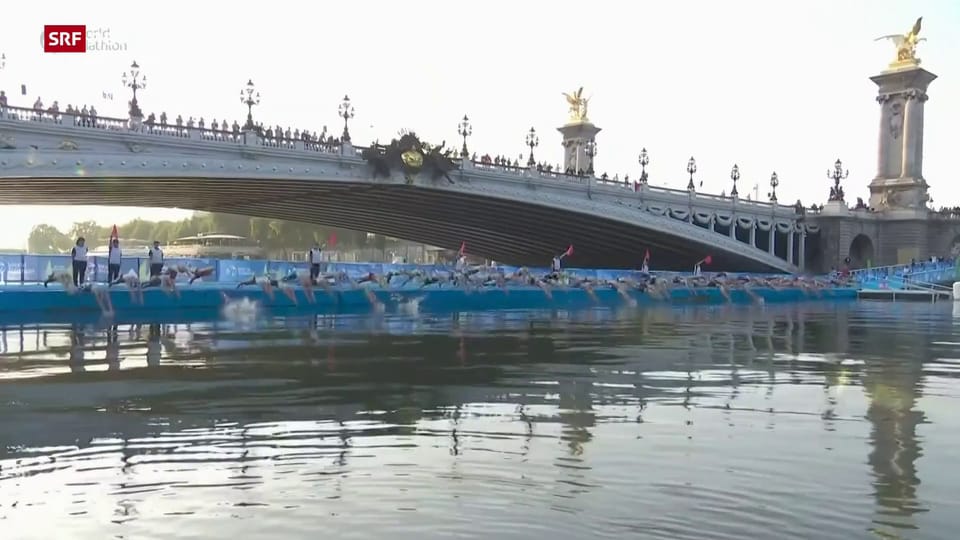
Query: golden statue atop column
[
  {"x": 906, "y": 46},
  {"x": 578, "y": 107}
]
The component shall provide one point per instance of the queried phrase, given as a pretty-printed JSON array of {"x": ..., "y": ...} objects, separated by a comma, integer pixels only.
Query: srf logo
[{"x": 65, "y": 38}]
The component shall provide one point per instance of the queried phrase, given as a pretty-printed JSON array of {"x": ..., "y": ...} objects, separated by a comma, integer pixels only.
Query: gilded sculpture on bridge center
[{"x": 578, "y": 106}]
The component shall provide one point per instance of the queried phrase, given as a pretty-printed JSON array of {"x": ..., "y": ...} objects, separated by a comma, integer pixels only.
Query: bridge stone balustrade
[{"x": 514, "y": 215}]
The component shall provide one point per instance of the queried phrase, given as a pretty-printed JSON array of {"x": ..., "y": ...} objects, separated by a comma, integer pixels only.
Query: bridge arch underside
[{"x": 510, "y": 232}]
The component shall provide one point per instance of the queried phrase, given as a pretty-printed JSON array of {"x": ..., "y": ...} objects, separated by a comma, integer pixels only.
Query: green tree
[
  {"x": 47, "y": 239},
  {"x": 89, "y": 230}
]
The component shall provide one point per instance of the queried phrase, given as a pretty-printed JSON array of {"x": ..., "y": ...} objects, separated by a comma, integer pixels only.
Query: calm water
[{"x": 817, "y": 421}]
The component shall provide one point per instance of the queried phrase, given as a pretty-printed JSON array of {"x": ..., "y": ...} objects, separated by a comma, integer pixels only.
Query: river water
[{"x": 803, "y": 421}]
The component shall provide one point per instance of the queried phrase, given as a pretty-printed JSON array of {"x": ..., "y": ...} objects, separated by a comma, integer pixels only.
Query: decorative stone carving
[
  {"x": 7, "y": 142},
  {"x": 135, "y": 148},
  {"x": 67, "y": 144}
]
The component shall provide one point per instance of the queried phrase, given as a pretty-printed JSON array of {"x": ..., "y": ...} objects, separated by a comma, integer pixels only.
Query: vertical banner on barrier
[
  {"x": 238, "y": 269},
  {"x": 36, "y": 268},
  {"x": 11, "y": 268}
]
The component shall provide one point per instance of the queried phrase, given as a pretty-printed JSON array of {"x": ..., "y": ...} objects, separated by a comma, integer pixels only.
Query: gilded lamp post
[
  {"x": 774, "y": 182},
  {"x": 644, "y": 160},
  {"x": 837, "y": 174},
  {"x": 734, "y": 175},
  {"x": 345, "y": 111},
  {"x": 691, "y": 169},
  {"x": 249, "y": 97},
  {"x": 134, "y": 80},
  {"x": 533, "y": 141},
  {"x": 465, "y": 130}
]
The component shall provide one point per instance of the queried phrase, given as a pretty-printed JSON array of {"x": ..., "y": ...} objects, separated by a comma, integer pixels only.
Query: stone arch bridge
[{"x": 513, "y": 215}]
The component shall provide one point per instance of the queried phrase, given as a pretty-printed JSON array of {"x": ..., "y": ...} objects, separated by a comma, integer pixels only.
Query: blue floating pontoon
[{"x": 28, "y": 303}]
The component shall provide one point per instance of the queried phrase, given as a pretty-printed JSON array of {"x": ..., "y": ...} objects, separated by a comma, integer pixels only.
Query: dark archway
[
  {"x": 861, "y": 251},
  {"x": 954, "y": 247}
]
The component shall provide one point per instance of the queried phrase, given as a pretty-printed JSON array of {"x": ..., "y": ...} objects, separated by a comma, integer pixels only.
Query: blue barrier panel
[
  {"x": 98, "y": 267},
  {"x": 281, "y": 269},
  {"x": 238, "y": 270},
  {"x": 38, "y": 267},
  {"x": 11, "y": 268}
]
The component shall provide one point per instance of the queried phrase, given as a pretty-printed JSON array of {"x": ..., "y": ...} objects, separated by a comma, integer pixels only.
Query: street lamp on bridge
[
  {"x": 346, "y": 112},
  {"x": 691, "y": 168},
  {"x": 734, "y": 175},
  {"x": 774, "y": 182},
  {"x": 533, "y": 141},
  {"x": 837, "y": 174},
  {"x": 134, "y": 80},
  {"x": 249, "y": 97},
  {"x": 3, "y": 60},
  {"x": 644, "y": 160},
  {"x": 465, "y": 130},
  {"x": 591, "y": 151}
]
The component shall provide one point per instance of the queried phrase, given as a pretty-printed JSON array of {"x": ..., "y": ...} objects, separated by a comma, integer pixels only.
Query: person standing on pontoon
[
  {"x": 315, "y": 257},
  {"x": 156, "y": 259},
  {"x": 79, "y": 256},
  {"x": 114, "y": 255}
]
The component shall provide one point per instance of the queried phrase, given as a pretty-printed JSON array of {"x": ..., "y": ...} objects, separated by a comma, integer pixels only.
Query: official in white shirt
[
  {"x": 114, "y": 256},
  {"x": 79, "y": 258},
  {"x": 315, "y": 257},
  {"x": 155, "y": 256}
]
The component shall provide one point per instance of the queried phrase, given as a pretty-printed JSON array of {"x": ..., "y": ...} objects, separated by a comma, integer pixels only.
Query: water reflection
[{"x": 713, "y": 421}]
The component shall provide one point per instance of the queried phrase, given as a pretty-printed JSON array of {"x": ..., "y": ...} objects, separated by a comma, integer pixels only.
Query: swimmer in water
[
  {"x": 100, "y": 294},
  {"x": 62, "y": 278},
  {"x": 132, "y": 281},
  {"x": 201, "y": 273}
]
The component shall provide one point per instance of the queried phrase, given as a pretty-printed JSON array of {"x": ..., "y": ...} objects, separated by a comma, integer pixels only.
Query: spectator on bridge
[
  {"x": 114, "y": 255},
  {"x": 3, "y": 100},
  {"x": 314, "y": 256},
  {"x": 155, "y": 255},
  {"x": 93, "y": 116},
  {"x": 78, "y": 256}
]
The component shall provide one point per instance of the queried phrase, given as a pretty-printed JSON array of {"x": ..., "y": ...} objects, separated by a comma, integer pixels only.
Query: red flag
[
  {"x": 114, "y": 233},
  {"x": 569, "y": 251},
  {"x": 333, "y": 240},
  {"x": 707, "y": 260},
  {"x": 463, "y": 249}
]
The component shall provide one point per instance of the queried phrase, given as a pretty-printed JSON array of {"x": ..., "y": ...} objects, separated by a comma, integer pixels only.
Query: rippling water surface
[{"x": 813, "y": 421}]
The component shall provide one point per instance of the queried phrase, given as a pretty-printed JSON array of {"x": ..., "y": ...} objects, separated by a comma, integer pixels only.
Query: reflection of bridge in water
[
  {"x": 518, "y": 215},
  {"x": 457, "y": 372}
]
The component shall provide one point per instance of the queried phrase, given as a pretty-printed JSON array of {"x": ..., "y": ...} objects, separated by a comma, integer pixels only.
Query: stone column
[
  {"x": 790, "y": 247},
  {"x": 803, "y": 250},
  {"x": 575, "y": 139},
  {"x": 908, "y": 148},
  {"x": 899, "y": 183},
  {"x": 773, "y": 236},
  {"x": 753, "y": 234}
]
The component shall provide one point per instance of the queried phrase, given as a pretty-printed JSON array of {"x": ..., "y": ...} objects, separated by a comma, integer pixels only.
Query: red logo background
[{"x": 65, "y": 38}]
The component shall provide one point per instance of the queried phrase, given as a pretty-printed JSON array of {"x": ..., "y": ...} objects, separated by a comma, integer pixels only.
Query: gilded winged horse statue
[
  {"x": 906, "y": 43},
  {"x": 578, "y": 106}
]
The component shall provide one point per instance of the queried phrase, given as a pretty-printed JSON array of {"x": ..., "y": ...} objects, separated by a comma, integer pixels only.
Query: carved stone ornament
[
  {"x": 67, "y": 144},
  {"x": 135, "y": 148},
  {"x": 7, "y": 142}
]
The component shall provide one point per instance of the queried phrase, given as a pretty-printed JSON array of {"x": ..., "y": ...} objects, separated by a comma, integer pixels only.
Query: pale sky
[{"x": 769, "y": 85}]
